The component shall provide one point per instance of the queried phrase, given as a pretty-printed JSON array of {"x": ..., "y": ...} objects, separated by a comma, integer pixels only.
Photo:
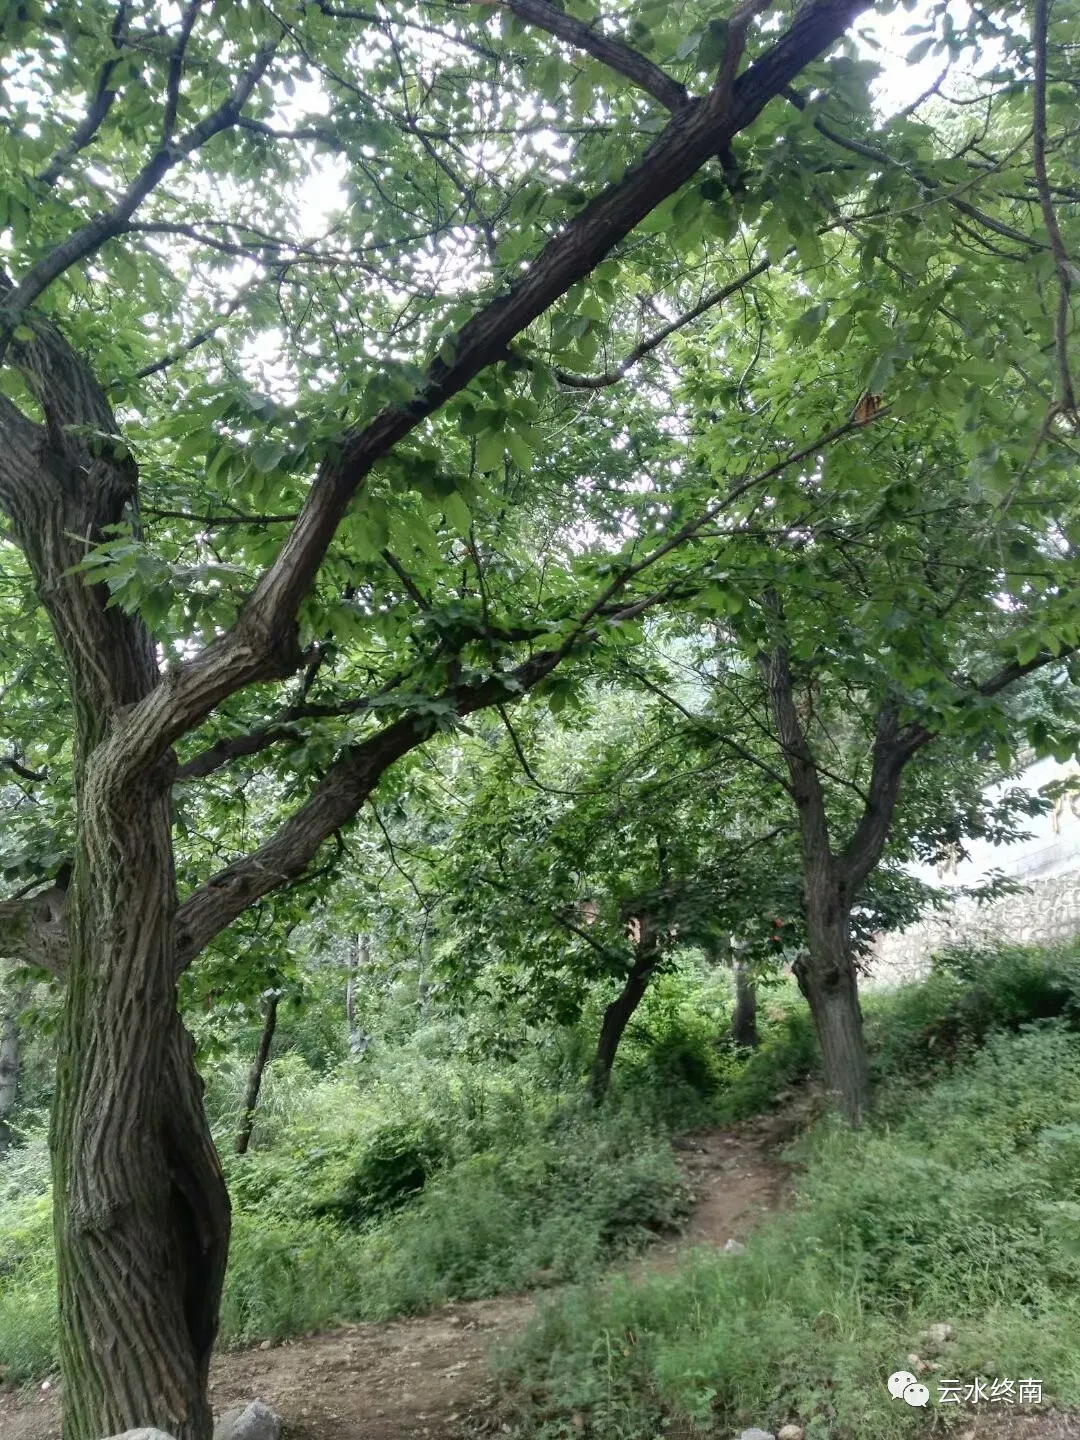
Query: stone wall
[{"x": 1049, "y": 910}]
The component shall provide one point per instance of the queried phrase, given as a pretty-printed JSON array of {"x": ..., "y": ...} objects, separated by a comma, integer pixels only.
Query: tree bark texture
[
  {"x": 141, "y": 1210},
  {"x": 255, "y": 1075},
  {"x": 141, "y": 1214},
  {"x": 828, "y": 979}
]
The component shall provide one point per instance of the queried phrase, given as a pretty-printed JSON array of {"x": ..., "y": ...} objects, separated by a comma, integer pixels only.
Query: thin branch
[
  {"x": 646, "y": 347},
  {"x": 414, "y": 591},
  {"x": 37, "y": 777},
  {"x": 176, "y": 72},
  {"x": 87, "y": 129},
  {"x": 699, "y": 723},
  {"x": 613, "y": 53},
  {"x": 395, "y": 862},
  {"x": 91, "y": 236},
  {"x": 882, "y": 157},
  {"x": 199, "y": 338},
  {"x": 213, "y": 522}
]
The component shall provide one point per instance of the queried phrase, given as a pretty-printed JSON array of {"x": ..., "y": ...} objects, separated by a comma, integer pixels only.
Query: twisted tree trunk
[{"x": 141, "y": 1214}]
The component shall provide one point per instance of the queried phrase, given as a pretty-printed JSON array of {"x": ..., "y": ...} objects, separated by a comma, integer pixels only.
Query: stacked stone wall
[{"x": 1049, "y": 910}]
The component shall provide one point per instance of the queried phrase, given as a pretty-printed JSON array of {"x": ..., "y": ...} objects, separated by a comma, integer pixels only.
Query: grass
[
  {"x": 961, "y": 1207},
  {"x": 424, "y": 1175}
]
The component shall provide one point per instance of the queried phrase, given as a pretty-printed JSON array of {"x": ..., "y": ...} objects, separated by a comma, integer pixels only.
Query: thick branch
[
  {"x": 893, "y": 748},
  {"x": 1014, "y": 670},
  {"x": 34, "y": 931},
  {"x": 333, "y": 803},
  {"x": 805, "y": 787}
]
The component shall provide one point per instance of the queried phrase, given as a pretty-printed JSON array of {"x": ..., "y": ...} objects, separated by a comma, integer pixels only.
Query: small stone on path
[
  {"x": 249, "y": 1422},
  {"x": 143, "y": 1434}
]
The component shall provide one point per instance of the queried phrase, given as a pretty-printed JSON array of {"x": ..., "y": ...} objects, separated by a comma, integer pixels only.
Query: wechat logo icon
[{"x": 904, "y": 1386}]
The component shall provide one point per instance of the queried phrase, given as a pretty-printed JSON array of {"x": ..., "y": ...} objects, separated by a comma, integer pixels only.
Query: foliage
[{"x": 957, "y": 1211}]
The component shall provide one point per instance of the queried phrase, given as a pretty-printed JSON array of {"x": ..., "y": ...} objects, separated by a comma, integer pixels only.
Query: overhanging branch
[{"x": 262, "y": 643}]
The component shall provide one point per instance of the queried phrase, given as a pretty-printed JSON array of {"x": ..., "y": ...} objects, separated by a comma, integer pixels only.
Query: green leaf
[
  {"x": 519, "y": 450},
  {"x": 809, "y": 323},
  {"x": 921, "y": 50},
  {"x": 457, "y": 513},
  {"x": 713, "y": 45},
  {"x": 490, "y": 449}
]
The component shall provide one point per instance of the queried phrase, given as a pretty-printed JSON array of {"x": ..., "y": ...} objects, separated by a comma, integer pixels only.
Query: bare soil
[{"x": 429, "y": 1376}]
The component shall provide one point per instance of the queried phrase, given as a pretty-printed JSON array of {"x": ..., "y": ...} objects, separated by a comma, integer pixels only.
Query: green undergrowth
[
  {"x": 959, "y": 1204},
  {"x": 432, "y": 1169}
]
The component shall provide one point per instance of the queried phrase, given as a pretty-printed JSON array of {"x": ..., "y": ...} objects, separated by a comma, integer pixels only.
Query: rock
[
  {"x": 143, "y": 1434},
  {"x": 736, "y": 1247},
  {"x": 249, "y": 1422},
  {"x": 916, "y": 1363},
  {"x": 937, "y": 1334},
  {"x": 267, "y": 1345},
  {"x": 790, "y": 1432},
  {"x": 755, "y": 1434}
]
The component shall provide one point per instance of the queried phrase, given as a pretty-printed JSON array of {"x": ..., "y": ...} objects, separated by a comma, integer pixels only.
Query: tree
[
  {"x": 150, "y": 169},
  {"x": 592, "y": 864}
]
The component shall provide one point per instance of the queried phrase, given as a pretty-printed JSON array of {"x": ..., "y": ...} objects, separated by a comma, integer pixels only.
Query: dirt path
[{"x": 428, "y": 1376}]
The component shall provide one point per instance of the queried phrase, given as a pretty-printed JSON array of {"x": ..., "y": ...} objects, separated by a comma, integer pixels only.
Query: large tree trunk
[
  {"x": 744, "y": 1017},
  {"x": 141, "y": 1209},
  {"x": 828, "y": 979},
  {"x": 621, "y": 1010},
  {"x": 827, "y": 975},
  {"x": 141, "y": 1214},
  {"x": 255, "y": 1075}
]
